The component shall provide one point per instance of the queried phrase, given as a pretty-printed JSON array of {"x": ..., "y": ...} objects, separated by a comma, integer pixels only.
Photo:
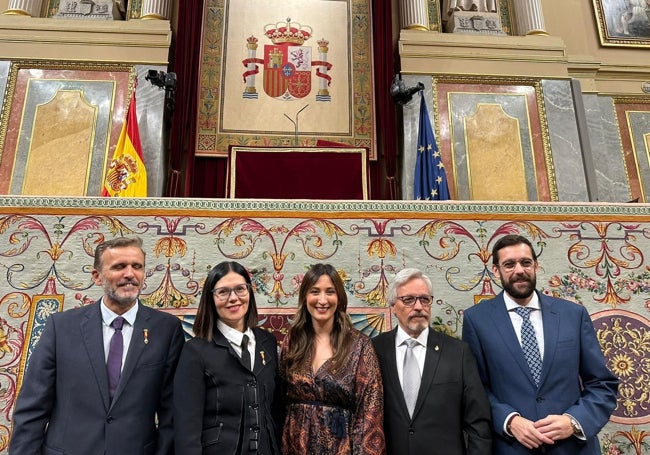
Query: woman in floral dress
[{"x": 331, "y": 375}]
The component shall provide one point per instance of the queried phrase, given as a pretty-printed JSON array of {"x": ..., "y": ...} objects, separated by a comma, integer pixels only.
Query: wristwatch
[{"x": 577, "y": 431}]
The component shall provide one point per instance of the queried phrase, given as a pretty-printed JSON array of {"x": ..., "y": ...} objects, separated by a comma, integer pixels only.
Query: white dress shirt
[
  {"x": 127, "y": 328},
  {"x": 234, "y": 337},
  {"x": 419, "y": 350}
]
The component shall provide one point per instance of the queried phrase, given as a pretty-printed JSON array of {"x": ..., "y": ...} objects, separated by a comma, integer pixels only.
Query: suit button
[
  {"x": 109, "y": 419},
  {"x": 411, "y": 432},
  {"x": 539, "y": 399}
]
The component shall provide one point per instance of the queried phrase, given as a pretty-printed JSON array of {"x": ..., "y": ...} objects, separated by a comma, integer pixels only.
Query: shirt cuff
[
  {"x": 506, "y": 426},
  {"x": 577, "y": 428}
]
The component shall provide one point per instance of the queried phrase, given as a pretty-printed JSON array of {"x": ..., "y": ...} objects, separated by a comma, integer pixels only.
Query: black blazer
[
  {"x": 66, "y": 388},
  {"x": 452, "y": 413},
  {"x": 217, "y": 400}
]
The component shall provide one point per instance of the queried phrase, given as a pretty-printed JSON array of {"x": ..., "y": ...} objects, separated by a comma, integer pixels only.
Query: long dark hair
[
  {"x": 301, "y": 333},
  {"x": 206, "y": 315}
]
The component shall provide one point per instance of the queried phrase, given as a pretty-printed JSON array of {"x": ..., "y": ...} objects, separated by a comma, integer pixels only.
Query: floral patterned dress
[{"x": 336, "y": 412}]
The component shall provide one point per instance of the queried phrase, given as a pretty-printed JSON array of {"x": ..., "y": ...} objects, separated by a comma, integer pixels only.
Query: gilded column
[
  {"x": 155, "y": 9},
  {"x": 414, "y": 14},
  {"x": 24, "y": 8},
  {"x": 529, "y": 17}
]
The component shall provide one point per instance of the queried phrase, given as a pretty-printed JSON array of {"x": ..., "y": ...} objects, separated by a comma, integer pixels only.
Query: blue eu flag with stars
[{"x": 430, "y": 182}]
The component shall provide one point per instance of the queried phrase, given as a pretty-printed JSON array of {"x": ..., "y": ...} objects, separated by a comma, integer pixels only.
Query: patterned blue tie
[{"x": 529, "y": 344}]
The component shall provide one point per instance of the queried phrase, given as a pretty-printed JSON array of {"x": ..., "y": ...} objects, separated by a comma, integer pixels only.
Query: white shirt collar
[
  {"x": 109, "y": 315},
  {"x": 234, "y": 336},
  {"x": 511, "y": 304},
  {"x": 402, "y": 335}
]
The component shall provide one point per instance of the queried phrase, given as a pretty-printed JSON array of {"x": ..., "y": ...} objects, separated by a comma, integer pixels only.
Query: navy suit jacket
[
  {"x": 64, "y": 406},
  {"x": 452, "y": 413},
  {"x": 574, "y": 380}
]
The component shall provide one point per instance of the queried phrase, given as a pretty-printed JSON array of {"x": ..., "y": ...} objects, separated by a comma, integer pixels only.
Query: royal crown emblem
[
  {"x": 287, "y": 63},
  {"x": 288, "y": 32}
]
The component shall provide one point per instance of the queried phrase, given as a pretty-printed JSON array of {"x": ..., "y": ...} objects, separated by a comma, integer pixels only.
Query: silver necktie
[{"x": 411, "y": 376}]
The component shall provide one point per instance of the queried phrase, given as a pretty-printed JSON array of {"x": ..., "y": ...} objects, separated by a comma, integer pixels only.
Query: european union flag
[{"x": 430, "y": 181}]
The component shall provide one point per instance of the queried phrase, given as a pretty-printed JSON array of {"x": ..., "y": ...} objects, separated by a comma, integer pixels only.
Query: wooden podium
[{"x": 297, "y": 173}]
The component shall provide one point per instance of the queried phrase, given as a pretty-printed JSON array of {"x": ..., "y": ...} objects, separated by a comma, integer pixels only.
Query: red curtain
[
  {"x": 185, "y": 64},
  {"x": 192, "y": 176},
  {"x": 384, "y": 179}
]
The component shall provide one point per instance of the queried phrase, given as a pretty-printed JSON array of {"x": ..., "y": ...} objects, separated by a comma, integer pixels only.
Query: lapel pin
[
  {"x": 436, "y": 348},
  {"x": 145, "y": 333},
  {"x": 263, "y": 358}
]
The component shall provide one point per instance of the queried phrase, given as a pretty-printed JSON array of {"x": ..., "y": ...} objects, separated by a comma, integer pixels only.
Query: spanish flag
[{"x": 126, "y": 175}]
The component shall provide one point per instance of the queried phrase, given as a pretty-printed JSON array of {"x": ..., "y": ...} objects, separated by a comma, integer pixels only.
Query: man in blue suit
[
  {"x": 68, "y": 404},
  {"x": 558, "y": 408}
]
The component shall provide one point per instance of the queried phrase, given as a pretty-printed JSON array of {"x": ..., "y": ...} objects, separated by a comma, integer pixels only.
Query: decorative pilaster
[
  {"x": 529, "y": 17},
  {"x": 24, "y": 8},
  {"x": 413, "y": 14},
  {"x": 156, "y": 9}
]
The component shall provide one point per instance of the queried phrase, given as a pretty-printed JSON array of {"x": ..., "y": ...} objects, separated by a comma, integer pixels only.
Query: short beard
[
  {"x": 514, "y": 293},
  {"x": 122, "y": 302}
]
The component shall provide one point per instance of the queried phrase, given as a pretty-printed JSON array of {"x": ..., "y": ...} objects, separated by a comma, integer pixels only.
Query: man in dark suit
[
  {"x": 555, "y": 398},
  {"x": 66, "y": 404},
  {"x": 434, "y": 402}
]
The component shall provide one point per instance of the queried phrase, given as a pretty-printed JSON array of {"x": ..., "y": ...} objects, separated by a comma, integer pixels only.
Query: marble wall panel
[
  {"x": 461, "y": 105},
  {"x": 152, "y": 122},
  {"x": 565, "y": 143},
  {"x": 411, "y": 118},
  {"x": 101, "y": 87},
  {"x": 640, "y": 128},
  {"x": 4, "y": 74},
  {"x": 611, "y": 179}
]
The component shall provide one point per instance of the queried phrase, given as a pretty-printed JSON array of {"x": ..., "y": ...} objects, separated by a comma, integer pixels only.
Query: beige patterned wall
[{"x": 593, "y": 254}]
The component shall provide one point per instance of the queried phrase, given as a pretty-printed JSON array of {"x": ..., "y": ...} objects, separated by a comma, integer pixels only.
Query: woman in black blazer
[{"x": 226, "y": 397}]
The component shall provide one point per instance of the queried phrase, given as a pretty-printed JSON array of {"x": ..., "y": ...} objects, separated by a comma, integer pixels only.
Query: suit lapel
[
  {"x": 551, "y": 322},
  {"x": 93, "y": 338},
  {"x": 506, "y": 331},
  {"x": 221, "y": 340},
  {"x": 392, "y": 377},
  {"x": 136, "y": 347},
  {"x": 261, "y": 353},
  {"x": 431, "y": 360}
]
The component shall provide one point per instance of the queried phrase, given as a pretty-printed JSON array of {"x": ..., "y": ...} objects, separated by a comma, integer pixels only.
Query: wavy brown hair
[{"x": 301, "y": 333}]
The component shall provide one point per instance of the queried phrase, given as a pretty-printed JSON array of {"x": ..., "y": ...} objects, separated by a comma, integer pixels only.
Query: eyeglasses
[
  {"x": 222, "y": 294},
  {"x": 510, "y": 266},
  {"x": 409, "y": 300}
]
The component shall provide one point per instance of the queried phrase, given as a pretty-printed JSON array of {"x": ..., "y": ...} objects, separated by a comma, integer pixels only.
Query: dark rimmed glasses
[
  {"x": 223, "y": 294},
  {"x": 409, "y": 300}
]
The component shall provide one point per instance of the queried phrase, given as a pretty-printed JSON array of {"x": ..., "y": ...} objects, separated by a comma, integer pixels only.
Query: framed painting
[
  {"x": 285, "y": 73},
  {"x": 623, "y": 23}
]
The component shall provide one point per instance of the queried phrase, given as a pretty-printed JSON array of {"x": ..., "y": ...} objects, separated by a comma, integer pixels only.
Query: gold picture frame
[
  {"x": 72, "y": 107},
  {"x": 623, "y": 24}
]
